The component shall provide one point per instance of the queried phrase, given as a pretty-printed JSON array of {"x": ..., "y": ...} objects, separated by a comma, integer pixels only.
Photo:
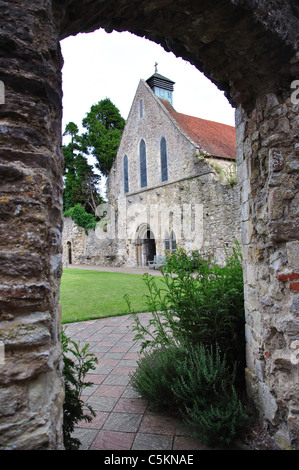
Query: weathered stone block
[{"x": 268, "y": 402}]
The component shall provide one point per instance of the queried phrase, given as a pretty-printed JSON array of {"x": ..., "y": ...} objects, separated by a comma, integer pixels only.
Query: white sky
[{"x": 100, "y": 65}]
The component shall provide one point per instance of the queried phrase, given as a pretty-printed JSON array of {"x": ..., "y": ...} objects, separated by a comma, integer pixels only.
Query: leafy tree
[
  {"x": 104, "y": 126},
  {"x": 80, "y": 180}
]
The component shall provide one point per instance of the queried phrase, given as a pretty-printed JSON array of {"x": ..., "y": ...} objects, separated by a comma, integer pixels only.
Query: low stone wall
[{"x": 86, "y": 248}]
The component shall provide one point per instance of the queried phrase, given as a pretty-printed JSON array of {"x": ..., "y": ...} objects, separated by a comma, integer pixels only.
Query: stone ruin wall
[
  {"x": 210, "y": 209},
  {"x": 86, "y": 248},
  {"x": 218, "y": 223},
  {"x": 31, "y": 163},
  {"x": 267, "y": 155}
]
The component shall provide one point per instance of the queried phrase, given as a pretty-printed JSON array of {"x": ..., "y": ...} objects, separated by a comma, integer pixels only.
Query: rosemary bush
[
  {"x": 195, "y": 383},
  {"x": 155, "y": 375}
]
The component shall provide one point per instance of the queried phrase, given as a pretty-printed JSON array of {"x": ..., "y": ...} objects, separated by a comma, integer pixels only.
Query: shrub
[
  {"x": 220, "y": 422},
  {"x": 74, "y": 373},
  {"x": 198, "y": 306},
  {"x": 155, "y": 375},
  {"x": 195, "y": 383},
  {"x": 82, "y": 218},
  {"x": 208, "y": 304},
  {"x": 194, "y": 345}
]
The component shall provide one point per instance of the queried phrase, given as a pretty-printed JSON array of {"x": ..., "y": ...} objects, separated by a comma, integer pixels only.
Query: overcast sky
[{"x": 100, "y": 65}]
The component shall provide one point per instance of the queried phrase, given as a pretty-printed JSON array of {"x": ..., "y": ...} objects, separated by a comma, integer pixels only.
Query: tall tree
[
  {"x": 80, "y": 180},
  {"x": 104, "y": 126}
]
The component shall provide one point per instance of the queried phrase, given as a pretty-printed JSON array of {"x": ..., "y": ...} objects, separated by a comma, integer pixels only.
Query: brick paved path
[{"x": 123, "y": 419}]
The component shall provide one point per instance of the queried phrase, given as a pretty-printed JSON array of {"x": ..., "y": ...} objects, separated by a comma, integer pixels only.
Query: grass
[{"x": 86, "y": 295}]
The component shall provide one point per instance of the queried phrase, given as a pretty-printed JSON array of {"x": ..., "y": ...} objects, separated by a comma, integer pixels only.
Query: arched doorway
[{"x": 145, "y": 245}]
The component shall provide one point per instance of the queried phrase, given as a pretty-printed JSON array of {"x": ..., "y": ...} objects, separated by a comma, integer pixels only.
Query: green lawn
[{"x": 86, "y": 295}]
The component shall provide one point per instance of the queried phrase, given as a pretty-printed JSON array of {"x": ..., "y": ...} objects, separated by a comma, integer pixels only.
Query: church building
[{"x": 172, "y": 183}]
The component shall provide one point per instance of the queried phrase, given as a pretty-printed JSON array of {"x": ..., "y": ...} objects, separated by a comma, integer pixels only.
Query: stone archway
[
  {"x": 145, "y": 245},
  {"x": 249, "y": 50}
]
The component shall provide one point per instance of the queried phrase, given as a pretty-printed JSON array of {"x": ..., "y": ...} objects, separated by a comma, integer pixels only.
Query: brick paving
[{"x": 123, "y": 421}]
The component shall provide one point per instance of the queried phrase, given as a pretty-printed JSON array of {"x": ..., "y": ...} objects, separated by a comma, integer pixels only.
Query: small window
[
  {"x": 164, "y": 171},
  {"x": 126, "y": 174},
  {"x": 143, "y": 173},
  {"x": 170, "y": 243},
  {"x": 141, "y": 108},
  {"x": 167, "y": 243}
]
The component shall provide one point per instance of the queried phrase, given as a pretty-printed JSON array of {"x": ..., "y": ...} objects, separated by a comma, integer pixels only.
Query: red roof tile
[{"x": 213, "y": 138}]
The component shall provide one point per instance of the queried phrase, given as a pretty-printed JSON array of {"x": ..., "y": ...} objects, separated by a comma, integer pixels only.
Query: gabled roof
[{"x": 213, "y": 138}]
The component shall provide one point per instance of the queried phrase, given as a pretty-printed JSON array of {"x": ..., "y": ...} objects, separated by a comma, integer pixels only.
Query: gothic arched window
[
  {"x": 126, "y": 174},
  {"x": 143, "y": 175},
  {"x": 164, "y": 172}
]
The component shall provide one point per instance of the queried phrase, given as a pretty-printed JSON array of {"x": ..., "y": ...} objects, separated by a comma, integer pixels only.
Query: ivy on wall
[{"x": 82, "y": 218}]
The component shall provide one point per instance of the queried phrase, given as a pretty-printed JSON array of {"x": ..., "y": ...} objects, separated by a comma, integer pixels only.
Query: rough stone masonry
[{"x": 248, "y": 49}]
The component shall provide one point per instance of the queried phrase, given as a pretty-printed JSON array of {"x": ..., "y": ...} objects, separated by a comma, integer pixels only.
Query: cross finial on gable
[{"x": 156, "y": 67}]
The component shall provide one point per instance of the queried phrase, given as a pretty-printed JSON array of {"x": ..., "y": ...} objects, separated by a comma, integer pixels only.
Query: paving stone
[
  {"x": 155, "y": 442},
  {"x": 111, "y": 440},
  {"x": 86, "y": 437},
  {"x": 128, "y": 422},
  {"x": 102, "y": 403},
  {"x": 130, "y": 393},
  {"x": 114, "y": 391},
  {"x": 102, "y": 370},
  {"x": 96, "y": 422},
  {"x": 124, "y": 421},
  {"x": 155, "y": 424},
  {"x": 130, "y": 405},
  {"x": 187, "y": 443},
  {"x": 114, "y": 379}
]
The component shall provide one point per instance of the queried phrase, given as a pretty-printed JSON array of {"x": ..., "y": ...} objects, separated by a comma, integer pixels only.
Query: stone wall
[
  {"x": 209, "y": 208},
  {"x": 86, "y": 248},
  {"x": 31, "y": 387},
  {"x": 267, "y": 153}
]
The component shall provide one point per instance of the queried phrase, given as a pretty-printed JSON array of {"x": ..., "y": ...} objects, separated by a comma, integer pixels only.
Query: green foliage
[
  {"x": 201, "y": 303},
  {"x": 156, "y": 372},
  {"x": 159, "y": 331},
  {"x": 208, "y": 302},
  {"x": 218, "y": 422},
  {"x": 104, "y": 126},
  {"x": 80, "y": 180},
  {"x": 196, "y": 343},
  {"x": 206, "y": 389},
  {"x": 227, "y": 173},
  {"x": 82, "y": 218},
  {"x": 180, "y": 262},
  {"x": 195, "y": 383},
  {"x": 74, "y": 374}
]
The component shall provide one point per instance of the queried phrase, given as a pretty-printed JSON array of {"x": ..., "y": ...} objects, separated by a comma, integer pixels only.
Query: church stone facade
[{"x": 168, "y": 186}]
